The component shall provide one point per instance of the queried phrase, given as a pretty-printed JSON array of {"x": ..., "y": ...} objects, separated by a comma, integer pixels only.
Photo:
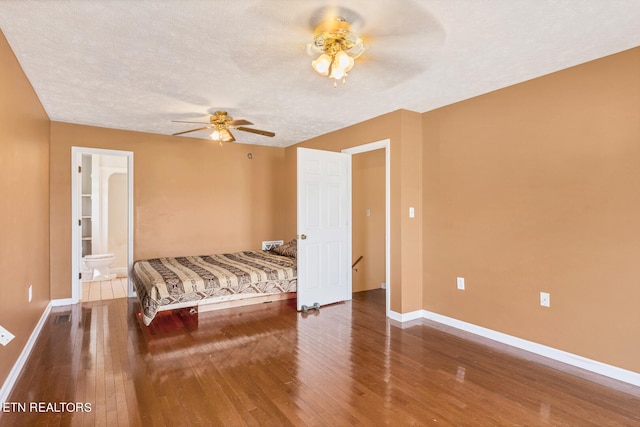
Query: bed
[{"x": 198, "y": 281}]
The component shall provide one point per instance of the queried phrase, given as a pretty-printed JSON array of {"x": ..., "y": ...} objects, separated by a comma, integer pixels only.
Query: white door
[{"x": 324, "y": 227}]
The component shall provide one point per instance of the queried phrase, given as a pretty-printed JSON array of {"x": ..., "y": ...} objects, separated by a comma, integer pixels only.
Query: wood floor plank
[
  {"x": 85, "y": 291},
  {"x": 269, "y": 365},
  {"x": 118, "y": 289},
  {"x": 94, "y": 291},
  {"x": 106, "y": 289}
]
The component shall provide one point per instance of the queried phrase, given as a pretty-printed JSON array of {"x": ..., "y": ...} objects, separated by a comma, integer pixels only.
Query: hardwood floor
[
  {"x": 269, "y": 365},
  {"x": 104, "y": 289}
]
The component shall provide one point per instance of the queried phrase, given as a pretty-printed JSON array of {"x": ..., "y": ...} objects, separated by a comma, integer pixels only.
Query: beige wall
[
  {"x": 191, "y": 196},
  {"x": 24, "y": 207},
  {"x": 403, "y": 129},
  {"x": 368, "y": 237},
  {"x": 535, "y": 188}
]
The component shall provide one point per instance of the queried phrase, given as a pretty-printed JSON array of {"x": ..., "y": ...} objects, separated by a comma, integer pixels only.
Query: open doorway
[
  {"x": 371, "y": 217},
  {"x": 102, "y": 236},
  {"x": 368, "y": 213}
]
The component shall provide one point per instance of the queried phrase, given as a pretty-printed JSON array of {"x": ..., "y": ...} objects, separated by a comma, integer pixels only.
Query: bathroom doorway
[{"x": 102, "y": 248}]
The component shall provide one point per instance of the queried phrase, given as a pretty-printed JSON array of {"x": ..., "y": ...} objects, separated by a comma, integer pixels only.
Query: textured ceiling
[{"x": 138, "y": 65}]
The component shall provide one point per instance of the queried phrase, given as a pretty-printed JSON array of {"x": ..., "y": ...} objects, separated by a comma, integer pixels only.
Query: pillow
[{"x": 289, "y": 249}]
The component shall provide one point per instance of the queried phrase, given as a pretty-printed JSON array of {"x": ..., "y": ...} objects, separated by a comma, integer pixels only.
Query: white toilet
[{"x": 100, "y": 265}]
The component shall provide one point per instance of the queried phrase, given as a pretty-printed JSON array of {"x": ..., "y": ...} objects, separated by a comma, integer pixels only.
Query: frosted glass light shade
[{"x": 321, "y": 64}]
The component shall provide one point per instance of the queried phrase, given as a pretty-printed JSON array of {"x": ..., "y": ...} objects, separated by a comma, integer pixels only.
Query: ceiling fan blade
[
  {"x": 192, "y": 130},
  {"x": 185, "y": 121},
  {"x": 258, "y": 131},
  {"x": 239, "y": 122}
]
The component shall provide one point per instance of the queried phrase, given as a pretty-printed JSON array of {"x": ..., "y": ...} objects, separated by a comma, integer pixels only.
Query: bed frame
[{"x": 229, "y": 301}]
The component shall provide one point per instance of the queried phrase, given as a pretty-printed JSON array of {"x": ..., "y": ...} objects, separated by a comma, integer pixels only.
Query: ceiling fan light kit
[
  {"x": 222, "y": 134},
  {"x": 338, "y": 47}
]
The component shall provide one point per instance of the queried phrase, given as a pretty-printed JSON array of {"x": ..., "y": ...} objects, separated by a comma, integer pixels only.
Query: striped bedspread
[{"x": 166, "y": 281}]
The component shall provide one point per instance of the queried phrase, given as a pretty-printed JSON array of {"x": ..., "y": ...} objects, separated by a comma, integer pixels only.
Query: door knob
[{"x": 303, "y": 236}]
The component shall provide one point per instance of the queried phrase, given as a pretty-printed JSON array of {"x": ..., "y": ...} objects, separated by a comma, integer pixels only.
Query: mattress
[{"x": 165, "y": 282}]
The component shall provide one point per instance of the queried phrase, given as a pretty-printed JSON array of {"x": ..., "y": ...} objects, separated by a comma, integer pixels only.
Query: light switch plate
[
  {"x": 545, "y": 299},
  {"x": 5, "y": 336}
]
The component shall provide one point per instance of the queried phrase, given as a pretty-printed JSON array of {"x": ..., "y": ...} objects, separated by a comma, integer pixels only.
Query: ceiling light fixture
[
  {"x": 221, "y": 133},
  {"x": 338, "y": 48}
]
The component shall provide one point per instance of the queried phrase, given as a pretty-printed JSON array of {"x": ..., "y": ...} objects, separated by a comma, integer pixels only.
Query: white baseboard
[
  {"x": 406, "y": 317},
  {"x": 119, "y": 271},
  {"x": 610, "y": 371},
  {"x": 22, "y": 359},
  {"x": 63, "y": 301}
]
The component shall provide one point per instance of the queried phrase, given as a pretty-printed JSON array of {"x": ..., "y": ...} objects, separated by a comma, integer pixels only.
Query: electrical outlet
[
  {"x": 460, "y": 283},
  {"x": 545, "y": 299},
  {"x": 5, "y": 336},
  {"x": 30, "y": 293}
]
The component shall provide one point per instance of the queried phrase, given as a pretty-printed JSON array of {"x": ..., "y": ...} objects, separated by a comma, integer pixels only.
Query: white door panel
[{"x": 324, "y": 227}]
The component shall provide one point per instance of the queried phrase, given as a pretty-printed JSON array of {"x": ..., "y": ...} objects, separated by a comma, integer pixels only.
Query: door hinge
[
  {"x": 79, "y": 169},
  {"x": 80, "y": 222},
  {"x": 80, "y": 275}
]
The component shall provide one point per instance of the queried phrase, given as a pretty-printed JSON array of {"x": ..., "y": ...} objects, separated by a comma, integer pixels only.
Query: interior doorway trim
[
  {"x": 76, "y": 249},
  {"x": 386, "y": 144}
]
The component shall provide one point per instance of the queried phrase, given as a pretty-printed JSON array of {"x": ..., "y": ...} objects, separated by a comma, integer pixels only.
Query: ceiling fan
[
  {"x": 220, "y": 122},
  {"x": 382, "y": 46}
]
